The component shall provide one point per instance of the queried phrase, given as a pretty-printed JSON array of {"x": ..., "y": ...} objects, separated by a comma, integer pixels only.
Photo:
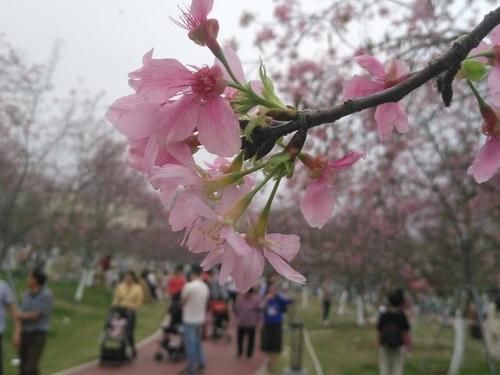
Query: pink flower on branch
[
  {"x": 139, "y": 121},
  {"x": 319, "y": 199},
  {"x": 389, "y": 115},
  {"x": 199, "y": 106},
  {"x": 201, "y": 30},
  {"x": 487, "y": 161},
  {"x": 207, "y": 231}
]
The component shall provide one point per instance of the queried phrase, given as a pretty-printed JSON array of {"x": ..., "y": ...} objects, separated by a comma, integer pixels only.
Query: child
[{"x": 118, "y": 326}]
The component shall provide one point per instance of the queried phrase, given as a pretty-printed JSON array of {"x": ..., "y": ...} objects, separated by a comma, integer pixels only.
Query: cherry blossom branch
[{"x": 443, "y": 68}]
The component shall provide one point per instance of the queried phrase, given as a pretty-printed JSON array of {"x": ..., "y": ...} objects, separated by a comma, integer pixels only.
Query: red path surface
[{"x": 220, "y": 357}]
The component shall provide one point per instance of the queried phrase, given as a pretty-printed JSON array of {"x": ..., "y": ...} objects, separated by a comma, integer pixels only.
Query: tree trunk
[
  {"x": 360, "y": 311},
  {"x": 459, "y": 328},
  {"x": 343, "y": 302},
  {"x": 305, "y": 296},
  {"x": 82, "y": 284}
]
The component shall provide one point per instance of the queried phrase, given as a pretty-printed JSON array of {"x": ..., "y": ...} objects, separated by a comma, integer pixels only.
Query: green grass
[
  {"x": 345, "y": 349},
  {"x": 76, "y": 327}
]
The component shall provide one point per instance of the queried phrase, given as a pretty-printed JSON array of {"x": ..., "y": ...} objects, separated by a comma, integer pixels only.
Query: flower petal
[
  {"x": 229, "y": 261},
  {"x": 494, "y": 86},
  {"x": 134, "y": 117},
  {"x": 359, "y": 86},
  {"x": 285, "y": 245},
  {"x": 213, "y": 258},
  {"x": 151, "y": 153},
  {"x": 188, "y": 208},
  {"x": 234, "y": 63},
  {"x": 201, "y": 8},
  {"x": 348, "y": 160},
  {"x": 180, "y": 118},
  {"x": 236, "y": 240},
  {"x": 204, "y": 236},
  {"x": 495, "y": 36},
  {"x": 396, "y": 69},
  {"x": 160, "y": 79},
  {"x": 283, "y": 268},
  {"x": 371, "y": 65},
  {"x": 487, "y": 161},
  {"x": 317, "y": 204},
  {"x": 388, "y": 116},
  {"x": 174, "y": 174},
  {"x": 219, "y": 128},
  {"x": 247, "y": 270}
]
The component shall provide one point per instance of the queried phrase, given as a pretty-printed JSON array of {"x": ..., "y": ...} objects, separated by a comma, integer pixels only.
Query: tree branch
[{"x": 445, "y": 64}]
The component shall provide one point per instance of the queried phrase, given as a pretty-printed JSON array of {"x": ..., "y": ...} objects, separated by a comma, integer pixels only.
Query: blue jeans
[{"x": 194, "y": 349}]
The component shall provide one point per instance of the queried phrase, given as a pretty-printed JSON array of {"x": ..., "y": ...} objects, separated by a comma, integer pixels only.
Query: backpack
[{"x": 392, "y": 336}]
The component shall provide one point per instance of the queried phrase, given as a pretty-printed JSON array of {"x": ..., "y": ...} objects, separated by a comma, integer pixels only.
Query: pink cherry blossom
[
  {"x": 138, "y": 120},
  {"x": 494, "y": 75},
  {"x": 389, "y": 115},
  {"x": 202, "y": 30},
  {"x": 200, "y": 104},
  {"x": 277, "y": 249},
  {"x": 212, "y": 233},
  {"x": 318, "y": 200},
  {"x": 487, "y": 161},
  {"x": 216, "y": 186}
]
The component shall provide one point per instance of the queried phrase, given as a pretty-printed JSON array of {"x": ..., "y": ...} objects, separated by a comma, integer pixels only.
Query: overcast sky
[{"x": 103, "y": 40}]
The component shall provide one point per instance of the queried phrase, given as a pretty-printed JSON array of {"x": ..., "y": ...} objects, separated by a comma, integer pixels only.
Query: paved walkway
[{"x": 220, "y": 356}]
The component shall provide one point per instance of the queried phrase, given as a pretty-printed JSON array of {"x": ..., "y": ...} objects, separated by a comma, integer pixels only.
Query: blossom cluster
[
  {"x": 390, "y": 116},
  {"x": 178, "y": 110}
]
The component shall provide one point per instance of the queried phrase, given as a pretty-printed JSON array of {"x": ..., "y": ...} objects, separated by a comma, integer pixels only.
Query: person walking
[
  {"x": 7, "y": 305},
  {"x": 394, "y": 335},
  {"x": 175, "y": 283},
  {"x": 274, "y": 306},
  {"x": 129, "y": 295},
  {"x": 247, "y": 313},
  {"x": 326, "y": 300},
  {"x": 34, "y": 319},
  {"x": 194, "y": 299}
]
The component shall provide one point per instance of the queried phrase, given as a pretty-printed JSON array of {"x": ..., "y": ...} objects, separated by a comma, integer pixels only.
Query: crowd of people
[
  {"x": 204, "y": 309},
  {"x": 201, "y": 295},
  {"x": 207, "y": 310}
]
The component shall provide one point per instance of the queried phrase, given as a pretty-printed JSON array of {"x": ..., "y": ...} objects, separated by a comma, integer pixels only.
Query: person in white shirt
[{"x": 194, "y": 299}]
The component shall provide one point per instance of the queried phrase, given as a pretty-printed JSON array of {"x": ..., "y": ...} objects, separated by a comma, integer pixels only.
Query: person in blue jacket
[{"x": 274, "y": 306}]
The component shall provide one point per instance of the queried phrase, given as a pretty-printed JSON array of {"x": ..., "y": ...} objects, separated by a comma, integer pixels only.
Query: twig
[{"x": 445, "y": 65}]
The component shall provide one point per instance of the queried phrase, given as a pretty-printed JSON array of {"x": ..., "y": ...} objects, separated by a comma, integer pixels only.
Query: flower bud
[{"x": 205, "y": 33}]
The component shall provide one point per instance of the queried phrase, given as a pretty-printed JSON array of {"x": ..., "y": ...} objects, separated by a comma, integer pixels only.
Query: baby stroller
[
  {"x": 171, "y": 343},
  {"x": 115, "y": 345}
]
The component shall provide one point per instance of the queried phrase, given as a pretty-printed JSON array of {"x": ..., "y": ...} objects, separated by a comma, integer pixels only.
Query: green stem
[
  {"x": 241, "y": 206},
  {"x": 226, "y": 180},
  {"x": 480, "y": 100},
  {"x": 261, "y": 227},
  {"x": 258, "y": 99}
]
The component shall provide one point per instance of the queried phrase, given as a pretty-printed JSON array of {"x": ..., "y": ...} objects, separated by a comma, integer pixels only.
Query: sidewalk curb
[{"x": 95, "y": 362}]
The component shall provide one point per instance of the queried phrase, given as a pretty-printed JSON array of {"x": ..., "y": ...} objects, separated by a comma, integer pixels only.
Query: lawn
[
  {"x": 76, "y": 327},
  {"x": 345, "y": 349}
]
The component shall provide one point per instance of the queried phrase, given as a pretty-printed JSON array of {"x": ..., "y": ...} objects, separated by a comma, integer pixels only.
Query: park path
[{"x": 220, "y": 357}]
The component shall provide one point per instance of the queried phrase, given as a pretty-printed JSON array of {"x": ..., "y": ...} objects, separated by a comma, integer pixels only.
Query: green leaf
[
  {"x": 474, "y": 70},
  {"x": 268, "y": 90},
  {"x": 275, "y": 161}
]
